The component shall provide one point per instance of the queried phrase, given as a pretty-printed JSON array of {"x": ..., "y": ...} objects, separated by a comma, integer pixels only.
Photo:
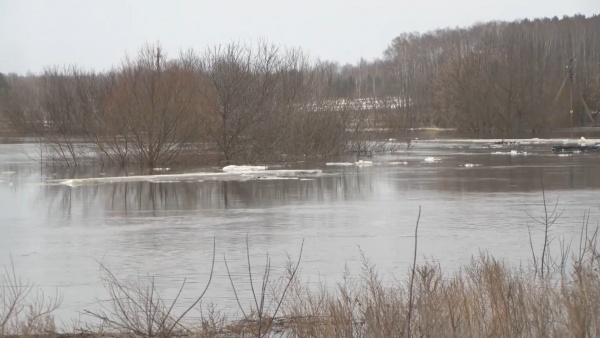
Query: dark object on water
[{"x": 575, "y": 148}]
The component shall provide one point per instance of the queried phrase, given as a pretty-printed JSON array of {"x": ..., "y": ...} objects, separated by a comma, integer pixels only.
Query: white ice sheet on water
[
  {"x": 244, "y": 168},
  {"x": 339, "y": 164},
  {"x": 252, "y": 173},
  {"x": 524, "y": 141},
  {"x": 432, "y": 159}
]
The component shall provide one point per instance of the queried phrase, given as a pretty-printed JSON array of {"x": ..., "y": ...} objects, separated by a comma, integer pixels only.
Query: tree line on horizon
[
  {"x": 491, "y": 79},
  {"x": 257, "y": 102}
]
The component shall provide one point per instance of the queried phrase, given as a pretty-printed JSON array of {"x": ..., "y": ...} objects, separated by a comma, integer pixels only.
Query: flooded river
[{"x": 474, "y": 196}]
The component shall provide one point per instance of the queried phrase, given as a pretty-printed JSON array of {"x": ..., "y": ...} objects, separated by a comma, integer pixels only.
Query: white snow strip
[
  {"x": 161, "y": 169},
  {"x": 432, "y": 159},
  {"x": 275, "y": 178},
  {"x": 363, "y": 163},
  {"x": 338, "y": 164},
  {"x": 397, "y": 163},
  {"x": 516, "y": 141},
  {"x": 8, "y": 172},
  {"x": 240, "y": 168},
  {"x": 470, "y": 165},
  {"x": 512, "y": 153},
  {"x": 225, "y": 176}
]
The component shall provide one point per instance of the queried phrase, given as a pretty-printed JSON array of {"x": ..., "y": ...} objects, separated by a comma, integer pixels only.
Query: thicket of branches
[
  {"x": 230, "y": 103},
  {"x": 262, "y": 102}
]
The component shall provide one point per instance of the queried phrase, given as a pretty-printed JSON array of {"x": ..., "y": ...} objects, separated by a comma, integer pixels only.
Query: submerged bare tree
[
  {"x": 150, "y": 109},
  {"x": 61, "y": 121},
  {"x": 241, "y": 95}
]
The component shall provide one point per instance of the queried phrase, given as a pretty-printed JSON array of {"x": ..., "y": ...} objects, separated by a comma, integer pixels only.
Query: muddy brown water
[{"x": 56, "y": 235}]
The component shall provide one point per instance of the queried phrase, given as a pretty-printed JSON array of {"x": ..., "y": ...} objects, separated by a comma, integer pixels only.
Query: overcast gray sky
[{"x": 97, "y": 34}]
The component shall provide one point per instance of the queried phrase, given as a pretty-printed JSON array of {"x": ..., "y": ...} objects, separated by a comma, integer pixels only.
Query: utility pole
[{"x": 571, "y": 68}]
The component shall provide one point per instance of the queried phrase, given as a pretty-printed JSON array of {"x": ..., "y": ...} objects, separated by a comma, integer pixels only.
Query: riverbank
[{"x": 557, "y": 296}]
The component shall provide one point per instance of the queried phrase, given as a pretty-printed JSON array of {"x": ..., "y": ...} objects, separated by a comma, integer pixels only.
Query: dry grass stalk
[
  {"x": 25, "y": 310},
  {"x": 485, "y": 298},
  {"x": 137, "y": 309}
]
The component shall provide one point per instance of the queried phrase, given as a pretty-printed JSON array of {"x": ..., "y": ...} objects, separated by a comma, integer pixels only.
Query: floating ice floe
[
  {"x": 363, "y": 163},
  {"x": 585, "y": 142},
  {"x": 564, "y": 155},
  {"x": 470, "y": 165},
  {"x": 512, "y": 153},
  {"x": 432, "y": 159},
  {"x": 238, "y": 175},
  {"x": 275, "y": 178},
  {"x": 161, "y": 169},
  {"x": 339, "y": 164},
  {"x": 240, "y": 168},
  {"x": 8, "y": 172}
]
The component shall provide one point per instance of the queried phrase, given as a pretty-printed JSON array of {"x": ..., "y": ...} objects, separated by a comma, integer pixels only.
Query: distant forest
[
  {"x": 492, "y": 78},
  {"x": 495, "y": 79}
]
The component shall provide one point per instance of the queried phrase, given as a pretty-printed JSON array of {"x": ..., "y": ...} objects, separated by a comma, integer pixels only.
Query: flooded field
[{"x": 58, "y": 224}]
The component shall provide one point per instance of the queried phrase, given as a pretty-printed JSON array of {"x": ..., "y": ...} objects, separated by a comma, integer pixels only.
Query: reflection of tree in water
[
  {"x": 66, "y": 200},
  {"x": 171, "y": 196}
]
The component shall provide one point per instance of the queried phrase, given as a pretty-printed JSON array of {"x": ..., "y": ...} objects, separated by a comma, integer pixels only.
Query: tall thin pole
[
  {"x": 571, "y": 110},
  {"x": 572, "y": 80}
]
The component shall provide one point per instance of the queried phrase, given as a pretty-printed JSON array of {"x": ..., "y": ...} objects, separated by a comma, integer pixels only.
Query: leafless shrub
[
  {"x": 261, "y": 317},
  {"x": 546, "y": 262},
  {"x": 136, "y": 308},
  {"x": 150, "y": 110},
  {"x": 25, "y": 310}
]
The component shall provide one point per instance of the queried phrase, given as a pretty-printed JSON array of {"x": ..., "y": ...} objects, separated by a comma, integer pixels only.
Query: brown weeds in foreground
[
  {"x": 484, "y": 298},
  {"x": 24, "y": 310},
  {"x": 137, "y": 308}
]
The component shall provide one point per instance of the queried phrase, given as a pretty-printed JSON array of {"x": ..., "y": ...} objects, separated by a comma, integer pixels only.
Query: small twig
[
  {"x": 287, "y": 285},
  {"x": 412, "y": 277},
  {"x": 250, "y": 272},
  {"x": 212, "y": 269},
  {"x": 532, "y": 251},
  {"x": 233, "y": 287}
]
